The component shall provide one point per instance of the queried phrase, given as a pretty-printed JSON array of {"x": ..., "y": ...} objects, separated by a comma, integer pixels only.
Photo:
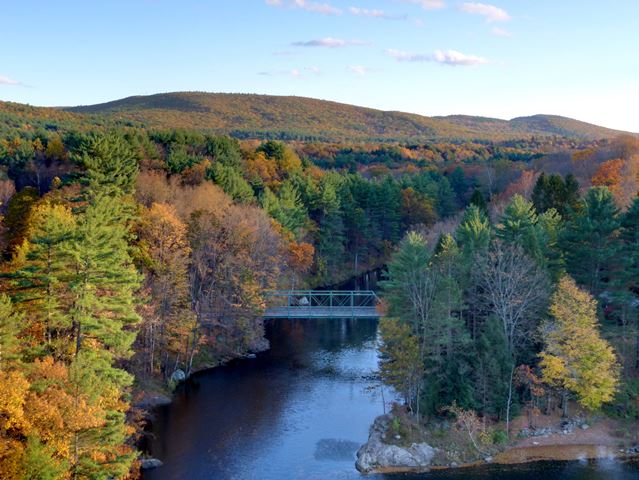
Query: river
[{"x": 299, "y": 412}]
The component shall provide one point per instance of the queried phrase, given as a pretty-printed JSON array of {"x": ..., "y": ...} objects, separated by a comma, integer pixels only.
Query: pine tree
[
  {"x": 517, "y": 226},
  {"x": 102, "y": 309},
  {"x": 588, "y": 241},
  {"x": 477, "y": 199},
  {"x": 10, "y": 326},
  {"x": 41, "y": 286},
  {"x": 446, "y": 339},
  {"x": 473, "y": 233},
  {"x": 626, "y": 270}
]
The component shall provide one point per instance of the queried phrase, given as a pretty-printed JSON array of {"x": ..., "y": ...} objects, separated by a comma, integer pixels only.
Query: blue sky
[{"x": 434, "y": 57}]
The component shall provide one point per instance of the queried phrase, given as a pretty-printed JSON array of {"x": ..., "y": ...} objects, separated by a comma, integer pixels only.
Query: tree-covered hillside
[{"x": 286, "y": 118}]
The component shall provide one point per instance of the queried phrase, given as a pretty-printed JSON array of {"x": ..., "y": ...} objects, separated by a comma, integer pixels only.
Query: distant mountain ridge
[{"x": 288, "y": 117}]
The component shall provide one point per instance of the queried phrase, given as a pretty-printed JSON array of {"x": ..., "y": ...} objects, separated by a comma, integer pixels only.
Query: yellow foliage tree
[{"x": 576, "y": 359}]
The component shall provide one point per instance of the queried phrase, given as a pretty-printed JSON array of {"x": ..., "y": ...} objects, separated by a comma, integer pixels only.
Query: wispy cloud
[
  {"x": 428, "y": 4},
  {"x": 4, "y": 80},
  {"x": 359, "y": 70},
  {"x": 443, "y": 57},
  {"x": 329, "y": 42},
  {"x": 490, "y": 12},
  {"x": 500, "y": 32},
  {"x": 293, "y": 72},
  {"x": 309, "y": 6},
  {"x": 375, "y": 13}
]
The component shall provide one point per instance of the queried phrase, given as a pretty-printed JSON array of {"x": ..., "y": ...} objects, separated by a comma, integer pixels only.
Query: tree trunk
[
  {"x": 510, "y": 398},
  {"x": 637, "y": 347},
  {"x": 564, "y": 404}
]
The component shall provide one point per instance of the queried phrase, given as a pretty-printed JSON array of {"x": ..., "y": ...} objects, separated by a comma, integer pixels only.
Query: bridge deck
[{"x": 321, "y": 304}]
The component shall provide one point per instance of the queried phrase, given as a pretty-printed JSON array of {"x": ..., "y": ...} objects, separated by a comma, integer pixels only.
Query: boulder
[
  {"x": 150, "y": 463},
  {"x": 178, "y": 376},
  {"x": 375, "y": 454}
]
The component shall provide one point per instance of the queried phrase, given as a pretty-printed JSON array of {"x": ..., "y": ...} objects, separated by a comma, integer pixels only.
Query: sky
[{"x": 504, "y": 59}]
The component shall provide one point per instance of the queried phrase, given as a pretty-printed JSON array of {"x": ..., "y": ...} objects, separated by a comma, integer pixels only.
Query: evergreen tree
[
  {"x": 626, "y": 270},
  {"x": 447, "y": 341},
  {"x": 492, "y": 367},
  {"x": 42, "y": 281},
  {"x": 479, "y": 201},
  {"x": 473, "y": 233},
  {"x": 10, "y": 323},
  {"x": 588, "y": 241},
  {"x": 518, "y": 226},
  {"x": 225, "y": 150},
  {"x": 232, "y": 182},
  {"x": 111, "y": 165},
  {"x": 410, "y": 286}
]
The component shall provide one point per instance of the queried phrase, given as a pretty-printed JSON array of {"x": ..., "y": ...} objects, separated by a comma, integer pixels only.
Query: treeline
[
  {"x": 512, "y": 310},
  {"x": 347, "y": 217}
]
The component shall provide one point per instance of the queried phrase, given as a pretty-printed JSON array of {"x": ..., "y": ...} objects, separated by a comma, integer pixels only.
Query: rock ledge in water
[
  {"x": 377, "y": 455},
  {"x": 150, "y": 463}
]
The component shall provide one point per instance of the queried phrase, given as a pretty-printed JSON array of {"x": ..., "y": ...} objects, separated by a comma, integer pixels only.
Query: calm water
[{"x": 300, "y": 411}]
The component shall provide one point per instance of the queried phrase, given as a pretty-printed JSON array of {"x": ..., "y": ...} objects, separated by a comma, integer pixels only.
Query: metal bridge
[{"x": 321, "y": 304}]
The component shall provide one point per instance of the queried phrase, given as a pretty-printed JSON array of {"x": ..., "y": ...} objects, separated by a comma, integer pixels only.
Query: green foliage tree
[
  {"x": 225, "y": 150},
  {"x": 231, "y": 182},
  {"x": 40, "y": 463},
  {"x": 479, "y": 201},
  {"x": 473, "y": 233},
  {"x": 588, "y": 241},
  {"x": 575, "y": 358},
  {"x": 552, "y": 191},
  {"x": 400, "y": 362},
  {"x": 10, "y": 323}
]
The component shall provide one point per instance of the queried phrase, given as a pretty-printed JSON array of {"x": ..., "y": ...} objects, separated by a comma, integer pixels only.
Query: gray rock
[
  {"x": 178, "y": 376},
  {"x": 376, "y": 454},
  {"x": 488, "y": 459},
  {"x": 584, "y": 426},
  {"x": 454, "y": 464},
  {"x": 150, "y": 463}
]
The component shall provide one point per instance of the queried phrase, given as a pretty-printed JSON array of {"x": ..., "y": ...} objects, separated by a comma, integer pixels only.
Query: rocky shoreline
[
  {"x": 382, "y": 454},
  {"x": 376, "y": 455}
]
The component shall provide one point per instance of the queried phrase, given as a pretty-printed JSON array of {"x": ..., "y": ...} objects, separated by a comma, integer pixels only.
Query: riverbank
[
  {"x": 155, "y": 393},
  {"x": 395, "y": 438}
]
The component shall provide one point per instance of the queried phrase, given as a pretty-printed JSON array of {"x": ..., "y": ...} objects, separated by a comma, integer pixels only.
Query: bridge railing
[
  {"x": 321, "y": 303},
  {"x": 321, "y": 298}
]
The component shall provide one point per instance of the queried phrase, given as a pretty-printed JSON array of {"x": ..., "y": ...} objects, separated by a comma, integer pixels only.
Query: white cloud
[
  {"x": 293, "y": 72},
  {"x": 490, "y": 12},
  {"x": 375, "y": 13},
  {"x": 455, "y": 58},
  {"x": 443, "y": 57},
  {"x": 358, "y": 69},
  {"x": 427, "y": 4},
  {"x": 500, "y": 32},
  {"x": 309, "y": 6},
  {"x": 8, "y": 81},
  {"x": 329, "y": 42}
]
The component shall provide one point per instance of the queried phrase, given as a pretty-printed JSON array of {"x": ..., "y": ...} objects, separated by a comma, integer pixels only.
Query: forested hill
[{"x": 265, "y": 116}]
